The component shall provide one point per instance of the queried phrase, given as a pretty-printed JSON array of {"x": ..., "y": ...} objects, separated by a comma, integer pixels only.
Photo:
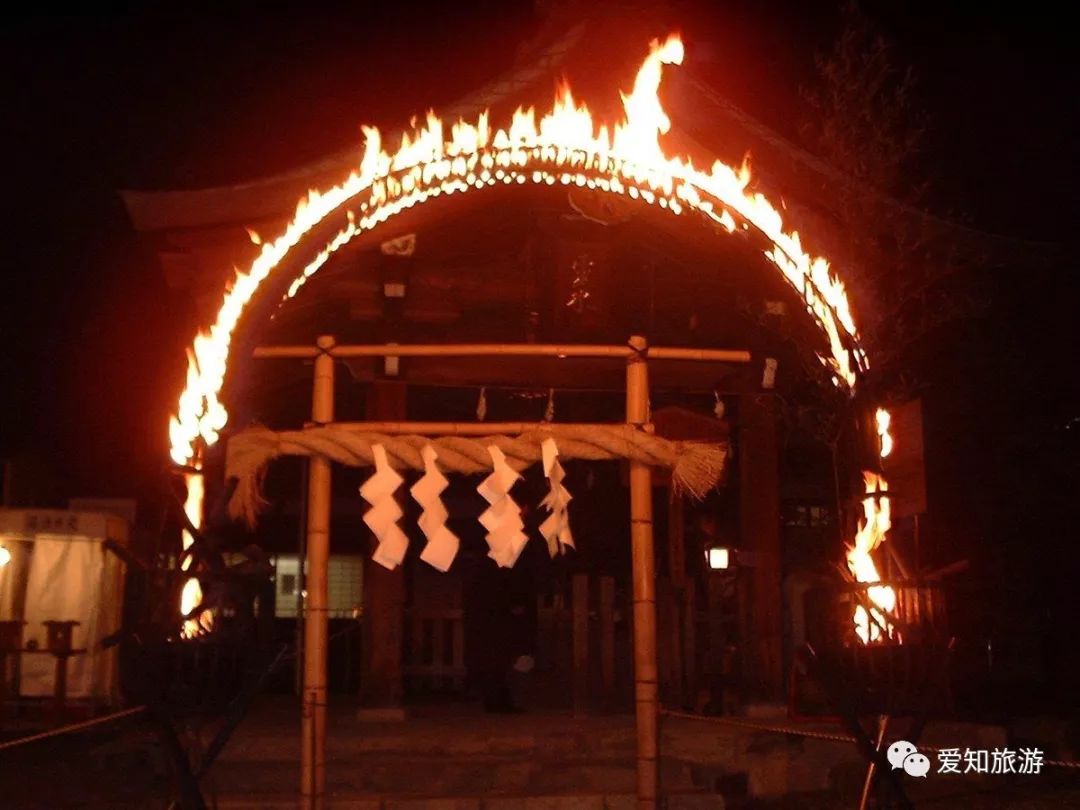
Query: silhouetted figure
[{"x": 490, "y": 646}]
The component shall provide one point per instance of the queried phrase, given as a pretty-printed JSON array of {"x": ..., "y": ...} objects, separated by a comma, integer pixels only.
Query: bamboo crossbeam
[{"x": 503, "y": 350}]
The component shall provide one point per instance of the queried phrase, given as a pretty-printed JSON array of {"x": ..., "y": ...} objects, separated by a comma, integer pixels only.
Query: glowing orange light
[
  {"x": 870, "y": 624},
  {"x": 565, "y": 146},
  {"x": 191, "y": 595},
  {"x": 883, "y": 418}
]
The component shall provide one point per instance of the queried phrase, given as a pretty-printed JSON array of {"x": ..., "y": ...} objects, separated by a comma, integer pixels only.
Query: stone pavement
[{"x": 457, "y": 758}]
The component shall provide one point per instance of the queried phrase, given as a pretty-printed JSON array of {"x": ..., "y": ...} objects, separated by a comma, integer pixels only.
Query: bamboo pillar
[
  {"x": 644, "y": 572},
  {"x": 313, "y": 708}
]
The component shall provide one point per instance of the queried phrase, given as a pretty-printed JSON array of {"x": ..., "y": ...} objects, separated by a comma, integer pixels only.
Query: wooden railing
[{"x": 576, "y": 642}]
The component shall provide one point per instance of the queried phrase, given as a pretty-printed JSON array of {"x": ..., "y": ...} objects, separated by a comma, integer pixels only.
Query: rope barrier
[
  {"x": 695, "y": 466},
  {"x": 56, "y": 732},
  {"x": 818, "y": 735},
  {"x": 733, "y": 721}
]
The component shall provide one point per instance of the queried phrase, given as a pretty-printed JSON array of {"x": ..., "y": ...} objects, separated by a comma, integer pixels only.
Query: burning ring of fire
[{"x": 564, "y": 146}]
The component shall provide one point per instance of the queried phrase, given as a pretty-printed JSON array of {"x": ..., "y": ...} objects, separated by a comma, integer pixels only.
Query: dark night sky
[{"x": 93, "y": 343}]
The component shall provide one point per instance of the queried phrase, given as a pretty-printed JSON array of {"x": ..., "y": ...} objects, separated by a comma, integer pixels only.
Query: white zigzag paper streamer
[
  {"x": 384, "y": 513},
  {"x": 442, "y": 544},
  {"x": 556, "y": 527},
  {"x": 503, "y": 518}
]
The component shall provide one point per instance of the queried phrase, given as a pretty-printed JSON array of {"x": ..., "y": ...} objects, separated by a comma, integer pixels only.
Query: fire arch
[{"x": 564, "y": 146}]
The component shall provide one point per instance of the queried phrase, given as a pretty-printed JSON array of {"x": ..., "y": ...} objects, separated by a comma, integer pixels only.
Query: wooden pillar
[
  {"x": 313, "y": 708},
  {"x": 384, "y": 595},
  {"x": 607, "y": 636},
  {"x": 759, "y": 529},
  {"x": 676, "y": 540},
  {"x": 580, "y": 613},
  {"x": 644, "y": 574},
  {"x": 676, "y": 544},
  {"x": 689, "y": 634}
]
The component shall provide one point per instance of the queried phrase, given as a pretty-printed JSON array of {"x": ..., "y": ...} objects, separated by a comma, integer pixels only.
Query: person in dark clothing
[
  {"x": 524, "y": 618},
  {"x": 489, "y": 632}
]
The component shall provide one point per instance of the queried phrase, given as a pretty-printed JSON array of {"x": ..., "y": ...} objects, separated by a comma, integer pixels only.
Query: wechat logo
[{"x": 904, "y": 755}]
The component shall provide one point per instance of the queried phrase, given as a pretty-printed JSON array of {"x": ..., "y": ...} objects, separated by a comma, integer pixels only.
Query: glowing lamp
[
  {"x": 718, "y": 558},
  {"x": 391, "y": 364},
  {"x": 5, "y": 556}
]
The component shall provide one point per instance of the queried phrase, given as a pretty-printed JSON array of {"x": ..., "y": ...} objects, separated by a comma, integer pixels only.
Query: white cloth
[{"x": 65, "y": 584}]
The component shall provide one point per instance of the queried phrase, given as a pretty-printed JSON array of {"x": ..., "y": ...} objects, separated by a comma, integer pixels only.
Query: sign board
[{"x": 30, "y": 523}]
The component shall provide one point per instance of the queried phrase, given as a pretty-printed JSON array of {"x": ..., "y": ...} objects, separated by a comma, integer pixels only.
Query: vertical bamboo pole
[
  {"x": 313, "y": 714},
  {"x": 644, "y": 571}
]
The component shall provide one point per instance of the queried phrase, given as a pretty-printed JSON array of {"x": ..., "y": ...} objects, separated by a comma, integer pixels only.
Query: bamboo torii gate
[{"x": 636, "y": 354}]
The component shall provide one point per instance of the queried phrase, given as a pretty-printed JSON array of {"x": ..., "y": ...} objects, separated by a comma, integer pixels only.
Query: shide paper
[
  {"x": 384, "y": 513},
  {"x": 502, "y": 519},
  {"x": 556, "y": 528},
  {"x": 442, "y": 544}
]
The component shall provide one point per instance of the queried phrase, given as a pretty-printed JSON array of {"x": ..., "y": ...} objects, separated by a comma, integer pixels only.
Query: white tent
[{"x": 58, "y": 569}]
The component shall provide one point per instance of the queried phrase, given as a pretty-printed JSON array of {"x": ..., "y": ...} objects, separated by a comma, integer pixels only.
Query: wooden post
[
  {"x": 383, "y": 639},
  {"x": 644, "y": 573},
  {"x": 607, "y": 636},
  {"x": 676, "y": 539},
  {"x": 759, "y": 518},
  {"x": 689, "y": 618},
  {"x": 580, "y": 608},
  {"x": 676, "y": 543},
  {"x": 313, "y": 710}
]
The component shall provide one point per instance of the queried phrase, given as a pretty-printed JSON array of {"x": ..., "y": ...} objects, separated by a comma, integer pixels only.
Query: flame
[
  {"x": 191, "y": 595},
  {"x": 872, "y": 624},
  {"x": 565, "y": 146},
  {"x": 883, "y": 419}
]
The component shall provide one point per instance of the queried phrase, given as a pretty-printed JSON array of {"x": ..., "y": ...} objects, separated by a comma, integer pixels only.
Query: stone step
[
  {"x": 567, "y": 801},
  {"x": 409, "y": 775},
  {"x": 613, "y": 742}
]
